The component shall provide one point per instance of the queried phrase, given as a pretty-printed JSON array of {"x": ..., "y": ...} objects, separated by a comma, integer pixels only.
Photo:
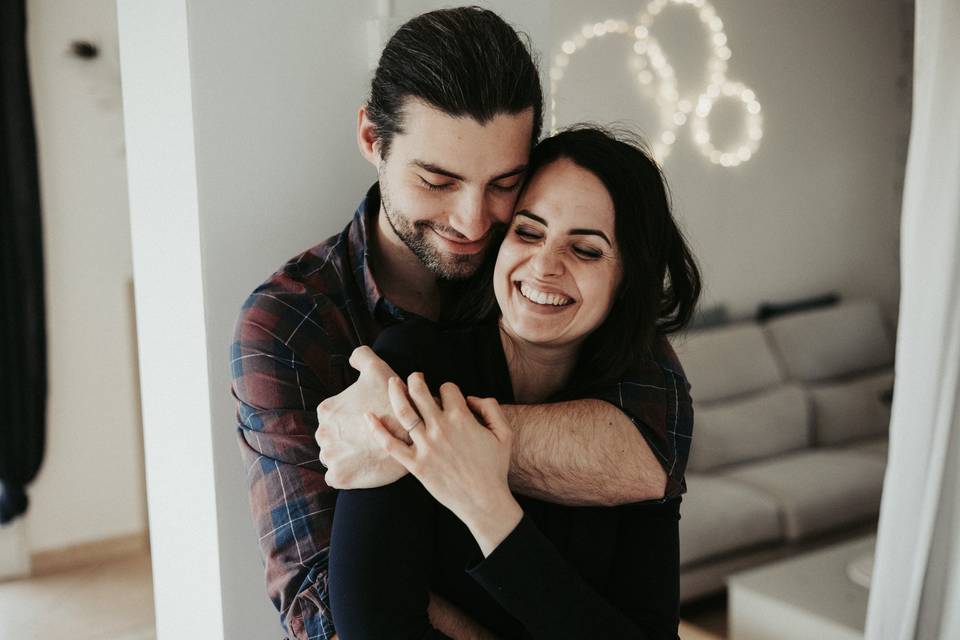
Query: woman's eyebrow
[{"x": 572, "y": 232}]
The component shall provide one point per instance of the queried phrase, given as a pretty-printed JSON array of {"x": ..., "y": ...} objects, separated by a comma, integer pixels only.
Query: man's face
[{"x": 447, "y": 181}]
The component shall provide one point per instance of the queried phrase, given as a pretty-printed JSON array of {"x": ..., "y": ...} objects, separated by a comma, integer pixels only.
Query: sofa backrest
[
  {"x": 727, "y": 361},
  {"x": 806, "y": 379},
  {"x": 832, "y": 342},
  {"x": 851, "y": 409}
]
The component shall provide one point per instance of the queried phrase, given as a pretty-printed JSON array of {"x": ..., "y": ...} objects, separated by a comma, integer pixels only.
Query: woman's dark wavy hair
[{"x": 661, "y": 280}]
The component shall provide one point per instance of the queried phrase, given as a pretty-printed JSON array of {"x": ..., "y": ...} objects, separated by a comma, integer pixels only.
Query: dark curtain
[{"x": 23, "y": 351}]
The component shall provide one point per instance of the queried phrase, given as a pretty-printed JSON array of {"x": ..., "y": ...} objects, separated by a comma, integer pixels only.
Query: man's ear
[{"x": 367, "y": 139}]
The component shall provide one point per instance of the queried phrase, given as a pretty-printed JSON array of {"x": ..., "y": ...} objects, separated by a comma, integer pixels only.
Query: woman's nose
[{"x": 546, "y": 262}]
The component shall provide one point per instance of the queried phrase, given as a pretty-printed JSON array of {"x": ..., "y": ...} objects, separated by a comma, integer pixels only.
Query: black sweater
[{"x": 563, "y": 572}]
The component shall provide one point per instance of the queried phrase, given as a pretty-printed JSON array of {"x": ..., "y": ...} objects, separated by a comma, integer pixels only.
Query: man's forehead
[{"x": 461, "y": 144}]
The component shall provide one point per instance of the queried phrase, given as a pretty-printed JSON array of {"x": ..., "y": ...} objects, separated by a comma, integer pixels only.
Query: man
[{"x": 455, "y": 106}]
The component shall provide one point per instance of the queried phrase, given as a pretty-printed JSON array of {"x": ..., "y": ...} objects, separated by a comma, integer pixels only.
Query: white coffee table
[{"x": 801, "y": 598}]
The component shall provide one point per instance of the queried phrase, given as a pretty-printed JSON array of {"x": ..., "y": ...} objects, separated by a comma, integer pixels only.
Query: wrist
[{"x": 491, "y": 525}]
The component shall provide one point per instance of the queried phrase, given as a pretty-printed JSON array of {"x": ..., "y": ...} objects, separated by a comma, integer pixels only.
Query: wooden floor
[
  {"x": 113, "y": 600},
  {"x": 110, "y": 600}
]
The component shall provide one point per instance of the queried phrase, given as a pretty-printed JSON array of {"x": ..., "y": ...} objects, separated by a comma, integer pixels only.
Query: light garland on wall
[{"x": 648, "y": 62}]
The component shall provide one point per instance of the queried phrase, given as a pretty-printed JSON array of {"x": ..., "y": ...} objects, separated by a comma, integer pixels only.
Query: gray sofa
[{"x": 790, "y": 437}]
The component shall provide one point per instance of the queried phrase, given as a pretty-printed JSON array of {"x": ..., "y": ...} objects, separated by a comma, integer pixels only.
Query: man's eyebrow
[
  {"x": 432, "y": 168},
  {"x": 513, "y": 172},
  {"x": 572, "y": 232}
]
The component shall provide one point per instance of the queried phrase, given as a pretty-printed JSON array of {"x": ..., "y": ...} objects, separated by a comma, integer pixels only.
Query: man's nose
[{"x": 471, "y": 217}]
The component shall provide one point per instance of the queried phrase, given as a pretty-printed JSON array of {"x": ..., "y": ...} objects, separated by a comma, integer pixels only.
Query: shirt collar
[{"x": 361, "y": 234}]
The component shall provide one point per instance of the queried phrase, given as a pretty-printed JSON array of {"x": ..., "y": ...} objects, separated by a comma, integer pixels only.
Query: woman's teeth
[{"x": 540, "y": 297}]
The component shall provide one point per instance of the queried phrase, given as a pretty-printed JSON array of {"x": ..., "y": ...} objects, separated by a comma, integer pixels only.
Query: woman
[{"x": 590, "y": 276}]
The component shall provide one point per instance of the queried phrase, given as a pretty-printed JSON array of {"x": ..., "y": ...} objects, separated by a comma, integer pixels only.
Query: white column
[{"x": 164, "y": 221}]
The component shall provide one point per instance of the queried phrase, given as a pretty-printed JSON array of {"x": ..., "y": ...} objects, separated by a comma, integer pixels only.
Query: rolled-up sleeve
[
  {"x": 655, "y": 395},
  {"x": 276, "y": 395}
]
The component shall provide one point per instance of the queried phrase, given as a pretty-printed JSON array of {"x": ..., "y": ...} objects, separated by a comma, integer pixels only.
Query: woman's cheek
[{"x": 501, "y": 274}]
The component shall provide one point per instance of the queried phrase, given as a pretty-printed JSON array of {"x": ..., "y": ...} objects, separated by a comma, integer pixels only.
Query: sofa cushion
[
  {"x": 831, "y": 342},
  {"x": 876, "y": 447},
  {"x": 727, "y": 361},
  {"x": 720, "y": 516},
  {"x": 818, "y": 490},
  {"x": 852, "y": 409},
  {"x": 764, "y": 424}
]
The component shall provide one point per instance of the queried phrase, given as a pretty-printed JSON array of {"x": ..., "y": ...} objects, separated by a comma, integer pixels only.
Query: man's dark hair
[
  {"x": 465, "y": 61},
  {"x": 661, "y": 281}
]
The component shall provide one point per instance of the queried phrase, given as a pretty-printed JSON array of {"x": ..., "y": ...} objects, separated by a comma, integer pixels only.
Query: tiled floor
[{"x": 113, "y": 601}]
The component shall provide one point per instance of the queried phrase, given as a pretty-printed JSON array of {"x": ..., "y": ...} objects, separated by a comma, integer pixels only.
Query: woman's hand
[{"x": 461, "y": 461}]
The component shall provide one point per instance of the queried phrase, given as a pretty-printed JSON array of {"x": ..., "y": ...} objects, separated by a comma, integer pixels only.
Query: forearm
[
  {"x": 451, "y": 621},
  {"x": 582, "y": 452}
]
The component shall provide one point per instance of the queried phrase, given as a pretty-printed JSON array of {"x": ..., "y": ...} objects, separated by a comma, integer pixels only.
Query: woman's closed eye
[
  {"x": 588, "y": 252},
  {"x": 527, "y": 233},
  {"x": 585, "y": 252}
]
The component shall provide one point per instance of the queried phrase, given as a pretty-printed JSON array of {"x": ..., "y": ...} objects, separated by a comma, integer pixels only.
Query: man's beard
[{"x": 450, "y": 267}]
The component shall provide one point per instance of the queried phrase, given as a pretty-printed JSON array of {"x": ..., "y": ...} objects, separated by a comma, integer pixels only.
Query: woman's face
[{"x": 559, "y": 267}]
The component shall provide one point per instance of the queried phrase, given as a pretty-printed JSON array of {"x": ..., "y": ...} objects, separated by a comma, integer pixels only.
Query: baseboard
[
  {"x": 87, "y": 553},
  {"x": 14, "y": 557}
]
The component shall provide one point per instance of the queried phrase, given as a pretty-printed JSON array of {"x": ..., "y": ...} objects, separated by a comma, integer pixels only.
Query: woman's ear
[{"x": 367, "y": 139}]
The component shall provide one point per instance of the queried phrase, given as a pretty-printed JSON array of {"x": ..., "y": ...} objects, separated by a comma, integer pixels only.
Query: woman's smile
[{"x": 542, "y": 297}]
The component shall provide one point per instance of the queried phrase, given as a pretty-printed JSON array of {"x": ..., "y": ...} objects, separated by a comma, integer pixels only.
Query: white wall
[
  {"x": 91, "y": 484},
  {"x": 240, "y": 121},
  {"x": 817, "y": 207}
]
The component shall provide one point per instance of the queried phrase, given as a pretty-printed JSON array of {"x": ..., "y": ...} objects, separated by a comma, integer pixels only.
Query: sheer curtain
[{"x": 916, "y": 582}]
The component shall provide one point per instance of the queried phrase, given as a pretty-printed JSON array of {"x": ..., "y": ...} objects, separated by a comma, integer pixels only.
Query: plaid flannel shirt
[{"x": 292, "y": 342}]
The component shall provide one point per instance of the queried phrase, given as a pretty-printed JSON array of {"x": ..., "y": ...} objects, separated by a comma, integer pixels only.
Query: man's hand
[{"x": 349, "y": 449}]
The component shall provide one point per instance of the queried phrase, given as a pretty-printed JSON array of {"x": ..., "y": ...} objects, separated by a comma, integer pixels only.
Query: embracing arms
[
  {"x": 581, "y": 452},
  {"x": 459, "y": 450},
  {"x": 629, "y": 446}
]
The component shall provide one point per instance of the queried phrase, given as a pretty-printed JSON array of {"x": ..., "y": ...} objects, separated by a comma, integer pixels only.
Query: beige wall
[{"x": 91, "y": 484}]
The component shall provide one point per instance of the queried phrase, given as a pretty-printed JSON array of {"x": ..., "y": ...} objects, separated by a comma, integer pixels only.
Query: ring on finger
[{"x": 414, "y": 426}]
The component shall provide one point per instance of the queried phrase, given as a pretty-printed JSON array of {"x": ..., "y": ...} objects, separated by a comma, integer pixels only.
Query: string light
[{"x": 649, "y": 63}]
